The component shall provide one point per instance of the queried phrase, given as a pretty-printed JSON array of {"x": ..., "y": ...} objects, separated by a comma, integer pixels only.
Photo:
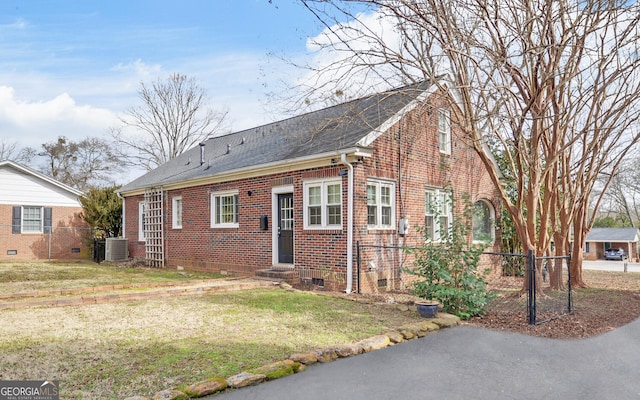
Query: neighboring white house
[{"x": 39, "y": 216}]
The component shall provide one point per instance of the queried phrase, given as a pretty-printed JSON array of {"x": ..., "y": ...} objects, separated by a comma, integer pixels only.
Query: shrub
[{"x": 447, "y": 269}]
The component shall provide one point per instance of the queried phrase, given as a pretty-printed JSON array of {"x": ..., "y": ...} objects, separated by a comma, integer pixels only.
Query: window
[
  {"x": 438, "y": 217},
  {"x": 176, "y": 213},
  {"x": 323, "y": 205},
  {"x": 224, "y": 210},
  {"x": 483, "y": 221},
  {"x": 31, "y": 219},
  {"x": 381, "y": 204},
  {"x": 444, "y": 130},
  {"x": 141, "y": 224}
]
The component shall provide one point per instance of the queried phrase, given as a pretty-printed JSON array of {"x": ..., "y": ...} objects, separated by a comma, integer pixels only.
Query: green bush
[{"x": 447, "y": 269}]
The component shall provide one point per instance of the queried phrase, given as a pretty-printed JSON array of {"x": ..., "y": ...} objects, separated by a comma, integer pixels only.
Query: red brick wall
[
  {"x": 409, "y": 149},
  {"x": 69, "y": 232}
]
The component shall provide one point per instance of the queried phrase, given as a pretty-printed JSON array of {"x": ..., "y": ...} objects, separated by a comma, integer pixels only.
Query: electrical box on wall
[
  {"x": 403, "y": 226},
  {"x": 264, "y": 222}
]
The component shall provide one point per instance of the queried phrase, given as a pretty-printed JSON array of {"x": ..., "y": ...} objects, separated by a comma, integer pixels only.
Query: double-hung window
[
  {"x": 176, "y": 220},
  {"x": 444, "y": 130},
  {"x": 224, "y": 210},
  {"x": 380, "y": 204},
  {"x": 438, "y": 215},
  {"x": 31, "y": 219},
  {"x": 323, "y": 204}
]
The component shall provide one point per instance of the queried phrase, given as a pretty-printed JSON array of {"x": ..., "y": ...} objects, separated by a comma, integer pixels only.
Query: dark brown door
[{"x": 285, "y": 228}]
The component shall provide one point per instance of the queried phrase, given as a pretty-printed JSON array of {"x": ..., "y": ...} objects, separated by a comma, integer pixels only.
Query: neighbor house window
[
  {"x": 141, "y": 224},
  {"x": 177, "y": 212},
  {"x": 380, "y": 204},
  {"x": 323, "y": 204},
  {"x": 483, "y": 221},
  {"x": 438, "y": 215},
  {"x": 444, "y": 130},
  {"x": 31, "y": 219},
  {"x": 224, "y": 210}
]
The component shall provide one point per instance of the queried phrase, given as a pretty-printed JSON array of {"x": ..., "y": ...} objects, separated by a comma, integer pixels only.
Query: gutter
[{"x": 343, "y": 158}]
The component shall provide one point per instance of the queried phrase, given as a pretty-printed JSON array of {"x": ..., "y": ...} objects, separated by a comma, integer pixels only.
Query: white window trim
[
  {"x": 212, "y": 209},
  {"x": 438, "y": 194},
  {"x": 492, "y": 222},
  {"x": 41, "y": 229},
  {"x": 323, "y": 183},
  {"x": 379, "y": 184},
  {"x": 445, "y": 148},
  {"x": 141, "y": 207},
  {"x": 176, "y": 212}
]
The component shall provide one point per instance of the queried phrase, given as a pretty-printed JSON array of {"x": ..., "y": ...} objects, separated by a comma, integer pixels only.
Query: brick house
[
  {"x": 294, "y": 197},
  {"x": 600, "y": 239},
  {"x": 40, "y": 217}
]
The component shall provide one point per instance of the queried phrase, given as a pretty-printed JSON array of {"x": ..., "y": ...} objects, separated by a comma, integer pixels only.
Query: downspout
[
  {"x": 349, "y": 223},
  {"x": 124, "y": 219}
]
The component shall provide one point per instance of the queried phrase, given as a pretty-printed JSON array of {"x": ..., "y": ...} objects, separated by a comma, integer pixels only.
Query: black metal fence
[{"x": 520, "y": 288}]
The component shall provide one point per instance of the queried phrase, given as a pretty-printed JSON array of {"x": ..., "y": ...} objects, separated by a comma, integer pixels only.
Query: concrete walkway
[{"x": 473, "y": 363}]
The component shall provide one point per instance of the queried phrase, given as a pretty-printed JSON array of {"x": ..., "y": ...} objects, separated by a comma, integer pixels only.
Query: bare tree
[
  {"x": 11, "y": 151},
  {"x": 555, "y": 85},
  {"x": 90, "y": 162},
  {"x": 173, "y": 117}
]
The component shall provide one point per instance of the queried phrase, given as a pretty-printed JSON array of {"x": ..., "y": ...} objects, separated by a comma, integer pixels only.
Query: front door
[{"x": 285, "y": 228}]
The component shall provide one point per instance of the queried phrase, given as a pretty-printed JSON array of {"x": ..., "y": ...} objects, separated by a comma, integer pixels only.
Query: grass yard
[
  {"x": 116, "y": 350},
  {"x": 20, "y": 277}
]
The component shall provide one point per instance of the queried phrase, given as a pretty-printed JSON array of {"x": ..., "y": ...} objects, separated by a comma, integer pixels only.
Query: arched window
[{"x": 483, "y": 221}]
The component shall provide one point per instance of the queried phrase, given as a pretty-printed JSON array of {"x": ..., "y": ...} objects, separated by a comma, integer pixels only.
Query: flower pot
[{"x": 427, "y": 309}]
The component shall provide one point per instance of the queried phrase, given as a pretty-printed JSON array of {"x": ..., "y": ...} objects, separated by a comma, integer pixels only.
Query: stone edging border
[
  {"x": 298, "y": 362},
  {"x": 165, "y": 290}
]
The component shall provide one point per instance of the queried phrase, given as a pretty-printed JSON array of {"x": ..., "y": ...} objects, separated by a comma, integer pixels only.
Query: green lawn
[{"x": 121, "y": 349}]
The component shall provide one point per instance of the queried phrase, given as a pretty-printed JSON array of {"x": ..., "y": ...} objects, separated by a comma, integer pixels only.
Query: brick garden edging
[
  {"x": 155, "y": 290},
  {"x": 298, "y": 362}
]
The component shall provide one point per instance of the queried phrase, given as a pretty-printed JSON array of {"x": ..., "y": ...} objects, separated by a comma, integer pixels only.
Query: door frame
[{"x": 274, "y": 225}]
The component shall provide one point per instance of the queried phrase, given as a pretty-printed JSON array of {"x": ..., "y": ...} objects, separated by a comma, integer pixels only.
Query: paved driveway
[{"x": 473, "y": 363}]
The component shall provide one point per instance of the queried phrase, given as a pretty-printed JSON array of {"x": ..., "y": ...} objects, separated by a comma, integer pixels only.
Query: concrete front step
[{"x": 287, "y": 275}]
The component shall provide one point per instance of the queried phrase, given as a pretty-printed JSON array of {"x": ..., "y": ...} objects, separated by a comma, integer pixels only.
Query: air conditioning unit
[{"x": 116, "y": 249}]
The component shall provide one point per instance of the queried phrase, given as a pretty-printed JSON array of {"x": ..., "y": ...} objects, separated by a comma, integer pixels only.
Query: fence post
[
  {"x": 358, "y": 264},
  {"x": 531, "y": 289}
]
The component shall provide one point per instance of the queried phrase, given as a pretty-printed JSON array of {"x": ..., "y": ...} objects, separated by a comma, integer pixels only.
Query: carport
[{"x": 600, "y": 239}]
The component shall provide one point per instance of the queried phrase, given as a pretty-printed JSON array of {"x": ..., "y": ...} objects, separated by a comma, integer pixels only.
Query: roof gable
[
  {"x": 25, "y": 186},
  {"x": 339, "y": 129}
]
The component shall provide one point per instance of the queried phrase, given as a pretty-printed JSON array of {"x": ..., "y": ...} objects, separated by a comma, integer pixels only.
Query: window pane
[
  {"x": 315, "y": 195},
  {"x": 315, "y": 217},
  {"x": 226, "y": 208},
  {"x": 482, "y": 222},
  {"x": 372, "y": 212},
  {"x": 444, "y": 226},
  {"x": 32, "y": 219},
  {"x": 428, "y": 227},
  {"x": 178, "y": 212},
  {"x": 371, "y": 194},
  {"x": 385, "y": 195},
  {"x": 334, "y": 215},
  {"x": 386, "y": 216},
  {"x": 333, "y": 194}
]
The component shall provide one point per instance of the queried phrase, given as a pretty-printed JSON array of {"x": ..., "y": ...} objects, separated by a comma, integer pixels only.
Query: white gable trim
[{"x": 376, "y": 133}]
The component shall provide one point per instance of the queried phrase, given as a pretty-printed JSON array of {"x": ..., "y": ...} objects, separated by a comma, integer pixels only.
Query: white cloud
[{"x": 33, "y": 123}]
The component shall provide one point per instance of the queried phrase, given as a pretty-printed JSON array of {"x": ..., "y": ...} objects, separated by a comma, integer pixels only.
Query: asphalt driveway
[{"x": 473, "y": 363}]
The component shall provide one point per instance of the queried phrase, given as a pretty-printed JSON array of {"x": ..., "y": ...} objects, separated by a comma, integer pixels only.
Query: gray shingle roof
[
  {"x": 613, "y": 235},
  {"x": 330, "y": 129}
]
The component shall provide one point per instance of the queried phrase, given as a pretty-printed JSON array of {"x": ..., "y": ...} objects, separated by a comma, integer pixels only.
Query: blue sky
[{"x": 69, "y": 67}]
